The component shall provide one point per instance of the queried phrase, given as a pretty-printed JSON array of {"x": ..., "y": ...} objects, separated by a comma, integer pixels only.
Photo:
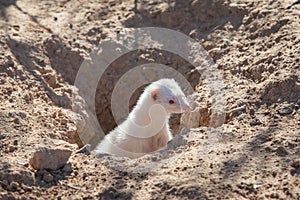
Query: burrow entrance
[{"x": 129, "y": 61}]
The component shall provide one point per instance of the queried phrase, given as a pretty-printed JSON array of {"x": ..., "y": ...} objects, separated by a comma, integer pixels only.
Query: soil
[{"x": 255, "y": 154}]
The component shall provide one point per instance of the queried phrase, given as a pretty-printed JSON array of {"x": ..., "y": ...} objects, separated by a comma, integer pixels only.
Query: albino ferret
[{"x": 147, "y": 127}]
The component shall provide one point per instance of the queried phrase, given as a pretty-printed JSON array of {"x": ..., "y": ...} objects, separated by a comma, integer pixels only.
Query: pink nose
[{"x": 186, "y": 108}]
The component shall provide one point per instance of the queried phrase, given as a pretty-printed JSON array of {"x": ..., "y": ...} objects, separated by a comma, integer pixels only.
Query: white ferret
[{"x": 147, "y": 127}]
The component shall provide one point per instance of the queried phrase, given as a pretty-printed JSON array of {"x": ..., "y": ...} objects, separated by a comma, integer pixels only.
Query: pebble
[
  {"x": 16, "y": 27},
  {"x": 285, "y": 110},
  {"x": 26, "y": 188},
  {"x": 255, "y": 122},
  {"x": 296, "y": 168},
  {"x": 86, "y": 149},
  {"x": 257, "y": 185},
  {"x": 296, "y": 164},
  {"x": 154, "y": 158},
  {"x": 12, "y": 148},
  {"x": 22, "y": 115},
  {"x": 25, "y": 164},
  {"x": 85, "y": 162},
  {"x": 47, "y": 177},
  {"x": 67, "y": 168},
  {"x": 280, "y": 151},
  {"x": 13, "y": 185},
  {"x": 17, "y": 120}
]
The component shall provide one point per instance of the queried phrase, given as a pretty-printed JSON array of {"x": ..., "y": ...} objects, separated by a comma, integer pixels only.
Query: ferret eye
[{"x": 171, "y": 101}]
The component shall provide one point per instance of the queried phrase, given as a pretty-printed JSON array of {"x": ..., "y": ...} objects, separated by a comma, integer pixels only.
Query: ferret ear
[{"x": 154, "y": 94}]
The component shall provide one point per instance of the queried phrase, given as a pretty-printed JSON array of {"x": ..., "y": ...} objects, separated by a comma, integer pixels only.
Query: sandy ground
[{"x": 255, "y": 154}]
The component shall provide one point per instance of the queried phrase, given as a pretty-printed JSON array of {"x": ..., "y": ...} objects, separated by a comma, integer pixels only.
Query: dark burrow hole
[{"x": 127, "y": 62}]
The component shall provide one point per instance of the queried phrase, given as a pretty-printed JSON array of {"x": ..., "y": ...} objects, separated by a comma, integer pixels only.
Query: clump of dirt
[{"x": 254, "y": 155}]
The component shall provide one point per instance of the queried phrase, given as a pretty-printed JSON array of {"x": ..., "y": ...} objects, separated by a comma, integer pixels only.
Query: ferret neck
[{"x": 140, "y": 113}]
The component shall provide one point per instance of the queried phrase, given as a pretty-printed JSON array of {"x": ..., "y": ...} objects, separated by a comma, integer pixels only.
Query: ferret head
[{"x": 167, "y": 93}]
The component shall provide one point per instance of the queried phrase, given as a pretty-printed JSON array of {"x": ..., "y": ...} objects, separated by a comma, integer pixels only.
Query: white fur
[{"x": 146, "y": 129}]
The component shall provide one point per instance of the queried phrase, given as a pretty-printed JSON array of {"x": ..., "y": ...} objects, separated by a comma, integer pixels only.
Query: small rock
[
  {"x": 274, "y": 196},
  {"x": 285, "y": 110},
  {"x": 15, "y": 142},
  {"x": 16, "y": 27},
  {"x": 252, "y": 111},
  {"x": 12, "y": 148},
  {"x": 67, "y": 168},
  {"x": 296, "y": 164},
  {"x": 257, "y": 185},
  {"x": 291, "y": 145},
  {"x": 47, "y": 177},
  {"x": 85, "y": 162},
  {"x": 13, "y": 186},
  {"x": 268, "y": 149},
  {"x": 297, "y": 106},
  {"x": 25, "y": 164},
  {"x": 154, "y": 158},
  {"x": 28, "y": 97},
  {"x": 10, "y": 72},
  {"x": 86, "y": 149},
  {"x": 26, "y": 188},
  {"x": 50, "y": 78},
  {"x": 280, "y": 151},
  {"x": 296, "y": 167},
  {"x": 19, "y": 73},
  {"x": 49, "y": 158},
  {"x": 17, "y": 120},
  {"x": 23, "y": 115},
  {"x": 255, "y": 122},
  {"x": 195, "y": 33}
]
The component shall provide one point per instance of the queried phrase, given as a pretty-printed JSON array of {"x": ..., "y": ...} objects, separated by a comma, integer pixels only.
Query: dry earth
[{"x": 254, "y": 155}]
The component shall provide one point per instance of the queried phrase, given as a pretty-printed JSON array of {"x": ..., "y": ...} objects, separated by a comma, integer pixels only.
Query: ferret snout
[
  {"x": 186, "y": 107},
  {"x": 184, "y": 104}
]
